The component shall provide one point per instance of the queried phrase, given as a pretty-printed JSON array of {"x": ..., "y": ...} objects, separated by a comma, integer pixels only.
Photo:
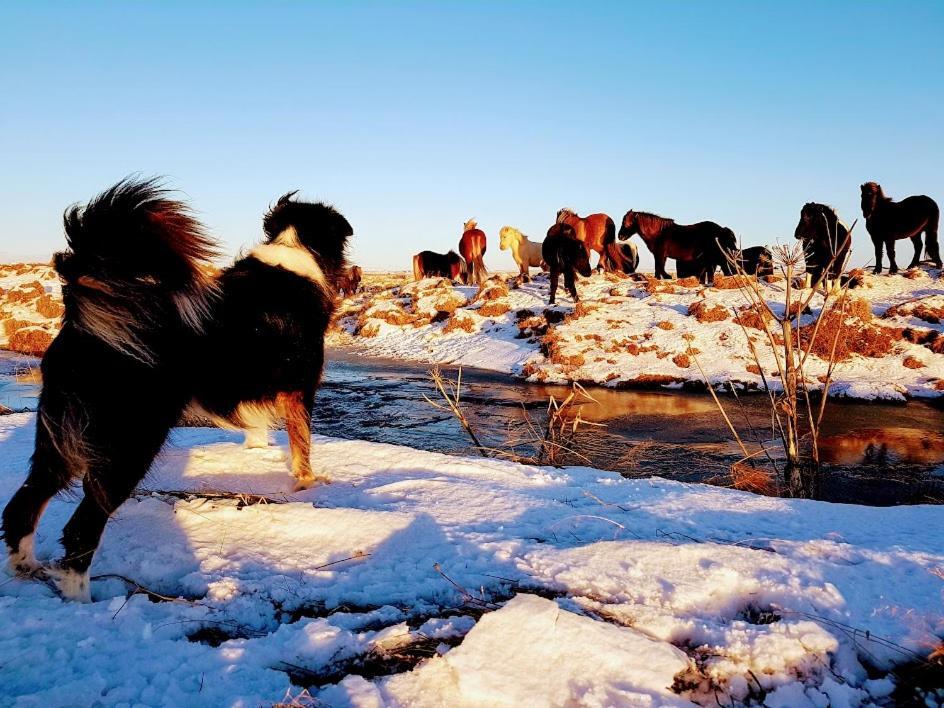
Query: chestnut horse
[
  {"x": 598, "y": 233},
  {"x": 826, "y": 241},
  {"x": 705, "y": 245},
  {"x": 350, "y": 280},
  {"x": 428, "y": 264},
  {"x": 472, "y": 248},
  {"x": 887, "y": 221},
  {"x": 563, "y": 253},
  {"x": 527, "y": 254}
]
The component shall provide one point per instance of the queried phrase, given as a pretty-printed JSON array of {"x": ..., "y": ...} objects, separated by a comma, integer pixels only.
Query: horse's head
[
  {"x": 507, "y": 236},
  {"x": 470, "y": 224},
  {"x": 871, "y": 194},
  {"x": 629, "y": 227},
  {"x": 564, "y": 214},
  {"x": 582, "y": 260},
  {"x": 817, "y": 222},
  {"x": 457, "y": 269}
]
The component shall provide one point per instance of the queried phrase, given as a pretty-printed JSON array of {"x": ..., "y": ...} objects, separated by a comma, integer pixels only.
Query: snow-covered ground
[
  {"x": 518, "y": 585},
  {"x": 628, "y": 332}
]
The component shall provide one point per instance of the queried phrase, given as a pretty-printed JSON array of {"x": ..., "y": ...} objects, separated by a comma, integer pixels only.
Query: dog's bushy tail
[{"x": 138, "y": 264}]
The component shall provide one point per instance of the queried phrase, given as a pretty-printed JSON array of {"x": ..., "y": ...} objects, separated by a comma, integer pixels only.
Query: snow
[
  {"x": 635, "y": 332},
  {"x": 537, "y": 586}
]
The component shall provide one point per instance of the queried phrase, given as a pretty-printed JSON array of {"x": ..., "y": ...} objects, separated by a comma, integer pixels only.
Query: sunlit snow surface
[{"x": 596, "y": 590}]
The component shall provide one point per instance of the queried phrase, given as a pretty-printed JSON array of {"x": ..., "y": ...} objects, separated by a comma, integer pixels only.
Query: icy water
[{"x": 875, "y": 453}]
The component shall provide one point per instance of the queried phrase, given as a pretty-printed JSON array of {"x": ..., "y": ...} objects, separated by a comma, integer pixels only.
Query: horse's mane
[
  {"x": 650, "y": 219},
  {"x": 566, "y": 211},
  {"x": 875, "y": 189},
  {"x": 833, "y": 221},
  {"x": 510, "y": 230}
]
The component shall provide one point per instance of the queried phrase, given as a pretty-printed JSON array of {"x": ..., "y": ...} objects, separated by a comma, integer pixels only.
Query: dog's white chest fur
[{"x": 284, "y": 251}]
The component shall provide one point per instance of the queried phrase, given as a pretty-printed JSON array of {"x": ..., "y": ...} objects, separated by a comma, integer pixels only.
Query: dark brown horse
[
  {"x": 826, "y": 241},
  {"x": 563, "y": 253},
  {"x": 756, "y": 260},
  {"x": 428, "y": 264},
  {"x": 350, "y": 280},
  {"x": 472, "y": 248},
  {"x": 887, "y": 221},
  {"x": 703, "y": 246},
  {"x": 598, "y": 233}
]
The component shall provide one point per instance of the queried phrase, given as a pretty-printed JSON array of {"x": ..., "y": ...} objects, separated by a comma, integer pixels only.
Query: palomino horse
[
  {"x": 826, "y": 241},
  {"x": 704, "y": 246},
  {"x": 472, "y": 248},
  {"x": 527, "y": 254},
  {"x": 887, "y": 221},
  {"x": 563, "y": 253},
  {"x": 598, "y": 233},
  {"x": 428, "y": 264}
]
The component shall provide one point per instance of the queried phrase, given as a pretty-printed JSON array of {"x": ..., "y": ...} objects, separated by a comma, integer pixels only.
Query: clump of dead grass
[
  {"x": 493, "y": 309},
  {"x": 703, "y": 312}
]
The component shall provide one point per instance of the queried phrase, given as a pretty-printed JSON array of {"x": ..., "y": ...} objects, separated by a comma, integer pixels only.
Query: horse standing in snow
[
  {"x": 887, "y": 221},
  {"x": 598, "y": 233},
  {"x": 472, "y": 248},
  {"x": 564, "y": 253},
  {"x": 429, "y": 264},
  {"x": 704, "y": 246},
  {"x": 826, "y": 241},
  {"x": 350, "y": 280},
  {"x": 527, "y": 254}
]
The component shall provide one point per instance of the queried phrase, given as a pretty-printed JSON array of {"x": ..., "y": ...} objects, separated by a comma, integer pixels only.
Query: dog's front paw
[
  {"x": 22, "y": 561},
  {"x": 307, "y": 482}
]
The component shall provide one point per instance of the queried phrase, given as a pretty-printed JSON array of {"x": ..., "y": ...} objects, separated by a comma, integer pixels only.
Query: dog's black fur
[{"x": 147, "y": 331}]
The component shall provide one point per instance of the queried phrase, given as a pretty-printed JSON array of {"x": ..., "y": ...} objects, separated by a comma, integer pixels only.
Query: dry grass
[
  {"x": 665, "y": 324},
  {"x": 730, "y": 282},
  {"x": 689, "y": 282},
  {"x": 30, "y": 340},
  {"x": 841, "y": 334},
  {"x": 466, "y": 324},
  {"x": 911, "y": 362},
  {"x": 756, "y": 480},
  {"x": 754, "y": 317},
  {"x": 493, "y": 309},
  {"x": 703, "y": 312},
  {"x": 682, "y": 361},
  {"x": 48, "y": 307}
]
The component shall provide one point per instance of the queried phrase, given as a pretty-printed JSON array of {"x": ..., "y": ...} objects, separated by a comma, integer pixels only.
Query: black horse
[
  {"x": 563, "y": 253},
  {"x": 756, "y": 260},
  {"x": 826, "y": 241},
  {"x": 887, "y": 221},
  {"x": 429, "y": 264},
  {"x": 704, "y": 246}
]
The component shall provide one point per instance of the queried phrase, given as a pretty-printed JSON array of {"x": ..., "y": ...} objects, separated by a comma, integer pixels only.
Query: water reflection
[{"x": 892, "y": 445}]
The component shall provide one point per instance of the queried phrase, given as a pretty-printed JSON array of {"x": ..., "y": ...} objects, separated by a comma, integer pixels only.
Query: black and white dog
[{"x": 148, "y": 332}]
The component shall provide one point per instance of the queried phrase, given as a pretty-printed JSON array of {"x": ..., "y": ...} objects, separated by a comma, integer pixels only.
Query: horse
[
  {"x": 349, "y": 281},
  {"x": 527, "y": 254},
  {"x": 598, "y": 233},
  {"x": 756, "y": 260},
  {"x": 887, "y": 221},
  {"x": 627, "y": 258},
  {"x": 472, "y": 248},
  {"x": 564, "y": 253},
  {"x": 428, "y": 264},
  {"x": 826, "y": 241},
  {"x": 705, "y": 245}
]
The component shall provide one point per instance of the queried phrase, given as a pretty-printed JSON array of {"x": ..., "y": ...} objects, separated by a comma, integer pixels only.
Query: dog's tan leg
[{"x": 298, "y": 424}]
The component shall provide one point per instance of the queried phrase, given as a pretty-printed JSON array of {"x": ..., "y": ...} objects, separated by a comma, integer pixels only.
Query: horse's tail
[
  {"x": 417, "y": 267},
  {"x": 481, "y": 272},
  {"x": 153, "y": 267},
  {"x": 931, "y": 244}
]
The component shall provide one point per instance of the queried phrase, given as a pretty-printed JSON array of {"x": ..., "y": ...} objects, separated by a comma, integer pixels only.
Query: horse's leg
[
  {"x": 570, "y": 284},
  {"x": 555, "y": 274},
  {"x": 890, "y": 250},
  {"x": 660, "y": 258},
  {"x": 878, "y": 255},
  {"x": 931, "y": 243},
  {"x": 918, "y": 247}
]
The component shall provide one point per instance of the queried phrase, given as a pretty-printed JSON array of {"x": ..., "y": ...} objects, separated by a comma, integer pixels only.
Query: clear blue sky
[{"x": 412, "y": 117}]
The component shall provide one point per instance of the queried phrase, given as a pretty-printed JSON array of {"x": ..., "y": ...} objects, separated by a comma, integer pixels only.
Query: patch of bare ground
[
  {"x": 730, "y": 282},
  {"x": 456, "y": 323},
  {"x": 911, "y": 362},
  {"x": 848, "y": 328},
  {"x": 30, "y": 340},
  {"x": 753, "y": 317},
  {"x": 493, "y": 309}
]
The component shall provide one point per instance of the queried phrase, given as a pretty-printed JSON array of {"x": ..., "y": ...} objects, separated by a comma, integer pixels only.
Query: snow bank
[
  {"x": 660, "y": 592},
  {"x": 642, "y": 332}
]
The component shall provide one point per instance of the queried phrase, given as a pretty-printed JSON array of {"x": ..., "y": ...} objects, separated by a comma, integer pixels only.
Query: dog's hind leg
[
  {"x": 55, "y": 463},
  {"x": 296, "y": 407}
]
